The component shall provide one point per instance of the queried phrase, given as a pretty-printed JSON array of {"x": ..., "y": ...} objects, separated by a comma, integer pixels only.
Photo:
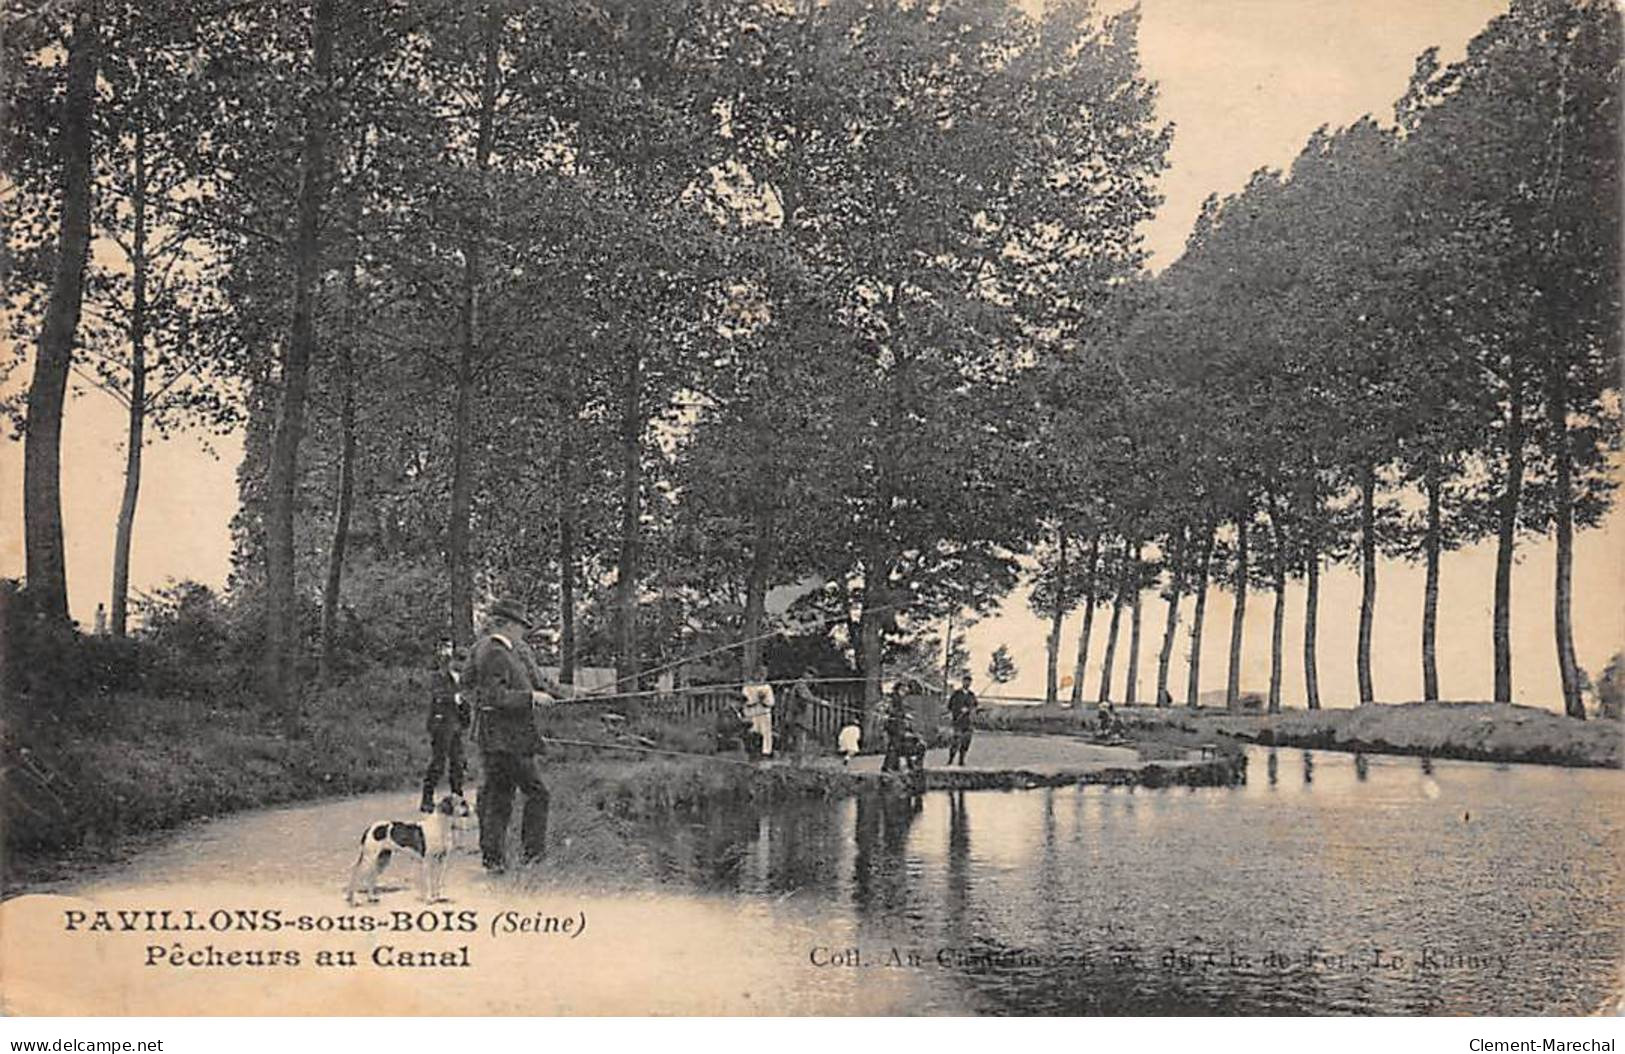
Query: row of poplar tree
[
  {"x": 1407, "y": 343},
  {"x": 640, "y": 311}
]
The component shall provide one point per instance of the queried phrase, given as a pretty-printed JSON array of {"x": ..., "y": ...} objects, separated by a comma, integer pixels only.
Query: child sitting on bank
[{"x": 847, "y": 742}]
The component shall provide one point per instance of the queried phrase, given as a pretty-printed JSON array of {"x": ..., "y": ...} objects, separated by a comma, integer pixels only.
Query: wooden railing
[{"x": 823, "y": 723}]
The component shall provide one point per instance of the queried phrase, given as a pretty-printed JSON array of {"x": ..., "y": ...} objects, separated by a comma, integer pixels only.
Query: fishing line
[
  {"x": 698, "y": 690},
  {"x": 647, "y": 750},
  {"x": 729, "y": 647}
]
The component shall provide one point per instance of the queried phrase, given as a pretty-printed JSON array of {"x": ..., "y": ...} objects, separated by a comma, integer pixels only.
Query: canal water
[{"x": 1328, "y": 884}]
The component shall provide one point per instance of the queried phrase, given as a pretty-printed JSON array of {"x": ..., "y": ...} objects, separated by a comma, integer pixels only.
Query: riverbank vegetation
[{"x": 1470, "y": 731}]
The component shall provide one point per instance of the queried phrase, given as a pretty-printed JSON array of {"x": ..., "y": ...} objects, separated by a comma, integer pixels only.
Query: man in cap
[
  {"x": 505, "y": 683},
  {"x": 962, "y": 708}
]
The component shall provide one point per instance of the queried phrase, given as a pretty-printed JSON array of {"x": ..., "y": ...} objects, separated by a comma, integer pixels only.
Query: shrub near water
[{"x": 124, "y": 762}]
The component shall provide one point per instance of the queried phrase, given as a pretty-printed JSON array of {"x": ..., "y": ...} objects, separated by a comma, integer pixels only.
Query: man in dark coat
[
  {"x": 505, "y": 684},
  {"x": 896, "y": 727},
  {"x": 961, "y": 708},
  {"x": 794, "y": 715},
  {"x": 448, "y": 716}
]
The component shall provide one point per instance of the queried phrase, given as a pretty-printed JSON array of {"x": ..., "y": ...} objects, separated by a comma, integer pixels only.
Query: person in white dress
[{"x": 759, "y": 708}]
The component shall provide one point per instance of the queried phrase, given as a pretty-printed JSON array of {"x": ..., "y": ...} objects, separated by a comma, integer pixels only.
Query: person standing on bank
[
  {"x": 896, "y": 727},
  {"x": 758, "y": 708},
  {"x": 448, "y": 716},
  {"x": 961, "y": 707},
  {"x": 793, "y": 718},
  {"x": 505, "y": 684}
]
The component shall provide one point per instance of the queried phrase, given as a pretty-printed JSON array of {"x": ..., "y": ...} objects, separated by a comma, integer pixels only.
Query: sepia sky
[{"x": 1245, "y": 82}]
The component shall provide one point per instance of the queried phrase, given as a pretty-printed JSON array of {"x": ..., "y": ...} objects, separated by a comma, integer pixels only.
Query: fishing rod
[
  {"x": 718, "y": 650},
  {"x": 711, "y": 688},
  {"x": 647, "y": 750}
]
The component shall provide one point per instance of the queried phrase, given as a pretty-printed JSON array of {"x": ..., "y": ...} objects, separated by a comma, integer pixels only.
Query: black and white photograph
[{"x": 813, "y": 508}]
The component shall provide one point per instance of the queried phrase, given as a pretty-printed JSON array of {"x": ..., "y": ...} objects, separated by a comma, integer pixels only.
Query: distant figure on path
[
  {"x": 101, "y": 620},
  {"x": 962, "y": 706},
  {"x": 1110, "y": 726},
  {"x": 759, "y": 708}
]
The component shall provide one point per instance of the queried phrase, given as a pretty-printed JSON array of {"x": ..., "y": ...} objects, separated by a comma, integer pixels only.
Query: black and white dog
[{"x": 431, "y": 839}]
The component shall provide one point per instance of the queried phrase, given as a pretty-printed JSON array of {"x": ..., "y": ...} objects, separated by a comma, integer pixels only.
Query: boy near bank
[{"x": 448, "y": 717}]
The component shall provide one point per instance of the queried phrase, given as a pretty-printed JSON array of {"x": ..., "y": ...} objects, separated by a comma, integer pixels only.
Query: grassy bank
[
  {"x": 1226, "y": 768},
  {"x": 1469, "y": 731},
  {"x": 87, "y": 775}
]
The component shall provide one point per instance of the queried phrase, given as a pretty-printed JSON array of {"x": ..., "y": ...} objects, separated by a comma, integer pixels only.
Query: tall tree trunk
[
  {"x": 458, "y": 567},
  {"x": 1506, "y": 539},
  {"x": 1193, "y": 676},
  {"x": 1557, "y": 426},
  {"x": 1131, "y": 682},
  {"x": 1311, "y": 613},
  {"x": 46, "y": 563},
  {"x": 762, "y": 559},
  {"x": 1431, "y": 545},
  {"x": 1368, "y": 579},
  {"x": 1557, "y": 423},
  {"x": 136, "y": 433},
  {"x": 871, "y": 636},
  {"x": 1111, "y": 637},
  {"x": 459, "y": 563},
  {"x": 282, "y": 627},
  {"x": 1278, "y": 616},
  {"x": 568, "y": 507},
  {"x": 344, "y": 500},
  {"x": 1232, "y": 689},
  {"x": 1052, "y": 668},
  {"x": 1079, "y": 668},
  {"x": 1176, "y": 587},
  {"x": 626, "y": 585}
]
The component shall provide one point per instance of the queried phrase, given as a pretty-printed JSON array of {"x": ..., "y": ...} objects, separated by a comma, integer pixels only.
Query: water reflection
[
  {"x": 880, "y": 878},
  {"x": 1116, "y": 907},
  {"x": 957, "y": 883}
]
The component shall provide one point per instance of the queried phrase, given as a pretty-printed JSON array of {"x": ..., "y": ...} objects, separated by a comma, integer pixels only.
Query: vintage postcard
[{"x": 812, "y": 507}]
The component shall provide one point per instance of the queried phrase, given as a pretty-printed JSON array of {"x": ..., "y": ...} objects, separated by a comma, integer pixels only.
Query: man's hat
[{"x": 512, "y": 610}]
